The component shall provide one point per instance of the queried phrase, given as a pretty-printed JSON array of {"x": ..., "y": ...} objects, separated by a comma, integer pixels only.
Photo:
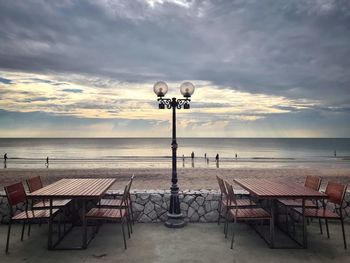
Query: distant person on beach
[
  {"x": 192, "y": 155},
  {"x": 335, "y": 154},
  {"x": 205, "y": 156},
  {"x": 183, "y": 157},
  {"x": 236, "y": 156},
  {"x": 208, "y": 160},
  {"x": 5, "y": 160},
  {"x": 217, "y": 158},
  {"x": 47, "y": 161}
]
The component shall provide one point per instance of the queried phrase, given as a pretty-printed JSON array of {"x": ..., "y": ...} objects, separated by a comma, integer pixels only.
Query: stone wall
[{"x": 152, "y": 205}]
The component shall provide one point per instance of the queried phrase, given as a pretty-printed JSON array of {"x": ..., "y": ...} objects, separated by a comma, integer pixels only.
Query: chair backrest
[
  {"x": 313, "y": 182},
  {"x": 336, "y": 192},
  {"x": 34, "y": 184},
  {"x": 222, "y": 186},
  {"x": 124, "y": 201},
  {"x": 15, "y": 194},
  {"x": 130, "y": 183},
  {"x": 230, "y": 194}
]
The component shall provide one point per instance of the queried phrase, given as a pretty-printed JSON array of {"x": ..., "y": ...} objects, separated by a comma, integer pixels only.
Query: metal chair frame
[
  {"x": 15, "y": 195},
  {"x": 233, "y": 203},
  {"x": 122, "y": 219}
]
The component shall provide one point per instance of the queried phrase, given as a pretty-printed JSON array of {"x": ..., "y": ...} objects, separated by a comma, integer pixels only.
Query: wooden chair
[
  {"x": 35, "y": 184},
  {"x": 312, "y": 182},
  {"x": 243, "y": 214},
  {"x": 111, "y": 214},
  {"x": 224, "y": 200},
  {"x": 15, "y": 195},
  {"x": 116, "y": 203},
  {"x": 336, "y": 193}
]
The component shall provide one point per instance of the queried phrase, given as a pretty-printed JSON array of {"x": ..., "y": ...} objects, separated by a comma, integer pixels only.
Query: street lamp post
[{"x": 175, "y": 219}]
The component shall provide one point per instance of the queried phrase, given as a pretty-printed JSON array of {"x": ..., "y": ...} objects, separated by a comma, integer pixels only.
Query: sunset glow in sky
[{"x": 261, "y": 68}]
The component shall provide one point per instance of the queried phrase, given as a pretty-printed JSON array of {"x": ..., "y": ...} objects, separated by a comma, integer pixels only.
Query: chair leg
[
  {"x": 327, "y": 228},
  {"x": 233, "y": 235},
  {"x": 29, "y": 227},
  {"x": 128, "y": 227},
  {"x": 23, "y": 228},
  {"x": 320, "y": 223},
  {"x": 132, "y": 214},
  {"x": 226, "y": 225},
  {"x": 122, "y": 225},
  {"x": 219, "y": 210},
  {"x": 129, "y": 220},
  {"x": 8, "y": 237},
  {"x": 342, "y": 227}
]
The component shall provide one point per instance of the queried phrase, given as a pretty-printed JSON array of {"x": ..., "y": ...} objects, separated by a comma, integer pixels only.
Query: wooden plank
[
  {"x": 264, "y": 188},
  {"x": 70, "y": 188}
]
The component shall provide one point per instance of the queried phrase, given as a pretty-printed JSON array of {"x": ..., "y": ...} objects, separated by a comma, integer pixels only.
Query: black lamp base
[{"x": 175, "y": 221}]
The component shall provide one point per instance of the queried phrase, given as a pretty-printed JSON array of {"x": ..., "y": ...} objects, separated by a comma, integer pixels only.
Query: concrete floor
[{"x": 194, "y": 243}]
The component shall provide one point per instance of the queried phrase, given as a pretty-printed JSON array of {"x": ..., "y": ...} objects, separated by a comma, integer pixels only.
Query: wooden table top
[
  {"x": 74, "y": 188},
  {"x": 264, "y": 188}
]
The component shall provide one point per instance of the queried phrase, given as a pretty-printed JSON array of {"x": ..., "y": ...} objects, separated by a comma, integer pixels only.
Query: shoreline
[{"x": 189, "y": 178}]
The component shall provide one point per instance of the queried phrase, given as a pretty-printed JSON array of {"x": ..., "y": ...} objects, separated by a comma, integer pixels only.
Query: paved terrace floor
[{"x": 194, "y": 243}]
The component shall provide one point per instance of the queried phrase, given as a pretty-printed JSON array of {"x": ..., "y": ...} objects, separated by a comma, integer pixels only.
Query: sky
[{"x": 261, "y": 68}]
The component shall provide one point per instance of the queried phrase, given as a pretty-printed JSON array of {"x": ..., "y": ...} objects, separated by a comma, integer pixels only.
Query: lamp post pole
[{"x": 175, "y": 218}]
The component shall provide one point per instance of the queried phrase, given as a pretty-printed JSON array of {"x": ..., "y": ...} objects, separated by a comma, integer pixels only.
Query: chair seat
[
  {"x": 106, "y": 213},
  {"x": 249, "y": 213},
  {"x": 241, "y": 203},
  {"x": 318, "y": 213},
  {"x": 110, "y": 202},
  {"x": 34, "y": 214},
  {"x": 55, "y": 203},
  {"x": 297, "y": 203}
]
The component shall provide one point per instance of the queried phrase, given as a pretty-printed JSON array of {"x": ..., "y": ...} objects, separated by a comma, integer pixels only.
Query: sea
[{"x": 79, "y": 153}]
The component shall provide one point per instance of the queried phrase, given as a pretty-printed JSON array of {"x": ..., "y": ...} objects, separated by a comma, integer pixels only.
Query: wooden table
[
  {"x": 273, "y": 190},
  {"x": 75, "y": 189}
]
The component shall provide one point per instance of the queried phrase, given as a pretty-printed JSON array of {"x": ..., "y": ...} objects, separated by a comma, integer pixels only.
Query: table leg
[
  {"x": 272, "y": 223},
  {"x": 83, "y": 210},
  {"x": 49, "y": 242},
  {"x": 304, "y": 225}
]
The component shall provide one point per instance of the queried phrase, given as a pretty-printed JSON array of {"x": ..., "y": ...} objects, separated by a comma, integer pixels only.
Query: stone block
[
  {"x": 190, "y": 211},
  {"x": 149, "y": 207},
  {"x": 195, "y": 205},
  {"x": 137, "y": 207},
  {"x": 207, "y": 206},
  {"x": 156, "y": 198},
  {"x": 200, "y": 200},
  {"x": 159, "y": 210},
  {"x": 184, "y": 206},
  {"x": 143, "y": 196},
  {"x": 141, "y": 201},
  {"x": 212, "y": 216},
  {"x": 188, "y": 199},
  {"x": 214, "y": 205},
  {"x": 144, "y": 219},
  {"x": 153, "y": 215},
  {"x": 202, "y": 219},
  {"x": 201, "y": 211},
  {"x": 194, "y": 217}
]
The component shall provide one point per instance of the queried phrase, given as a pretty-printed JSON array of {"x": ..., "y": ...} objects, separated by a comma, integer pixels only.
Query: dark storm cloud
[
  {"x": 5, "y": 81},
  {"x": 73, "y": 90},
  {"x": 297, "y": 49}
]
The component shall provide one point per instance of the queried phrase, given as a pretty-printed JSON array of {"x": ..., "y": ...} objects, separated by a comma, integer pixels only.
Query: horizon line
[{"x": 198, "y": 137}]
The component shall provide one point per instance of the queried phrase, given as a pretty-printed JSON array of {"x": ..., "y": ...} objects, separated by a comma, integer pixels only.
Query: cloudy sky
[{"x": 261, "y": 68}]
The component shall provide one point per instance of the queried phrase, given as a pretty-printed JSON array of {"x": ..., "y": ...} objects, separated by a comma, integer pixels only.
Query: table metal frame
[
  {"x": 84, "y": 190},
  {"x": 262, "y": 189}
]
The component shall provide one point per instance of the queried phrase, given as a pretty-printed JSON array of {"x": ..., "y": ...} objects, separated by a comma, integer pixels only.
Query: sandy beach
[{"x": 189, "y": 178}]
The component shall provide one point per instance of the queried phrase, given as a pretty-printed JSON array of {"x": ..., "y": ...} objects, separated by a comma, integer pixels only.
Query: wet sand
[{"x": 189, "y": 178}]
